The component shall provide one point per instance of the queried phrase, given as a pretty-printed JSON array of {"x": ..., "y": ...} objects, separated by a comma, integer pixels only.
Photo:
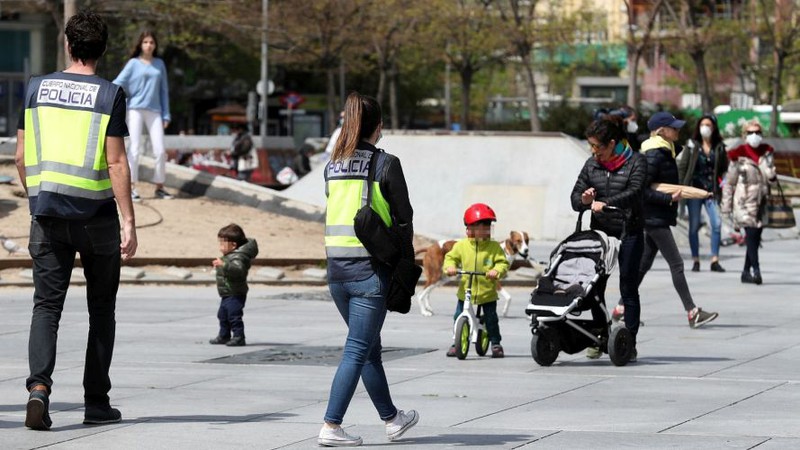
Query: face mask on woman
[
  {"x": 705, "y": 131},
  {"x": 633, "y": 127},
  {"x": 754, "y": 140}
]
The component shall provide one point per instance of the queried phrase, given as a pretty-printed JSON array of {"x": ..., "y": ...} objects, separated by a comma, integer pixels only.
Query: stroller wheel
[
  {"x": 620, "y": 346},
  {"x": 482, "y": 346},
  {"x": 545, "y": 346},
  {"x": 462, "y": 337}
]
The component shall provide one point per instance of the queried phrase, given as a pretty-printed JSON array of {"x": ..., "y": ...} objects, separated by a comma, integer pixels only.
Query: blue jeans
[
  {"x": 53, "y": 244},
  {"x": 362, "y": 305},
  {"x": 695, "y": 208},
  {"x": 489, "y": 311},
  {"x": 230, "y": 314},
  {"x": 630, "y": 256}
]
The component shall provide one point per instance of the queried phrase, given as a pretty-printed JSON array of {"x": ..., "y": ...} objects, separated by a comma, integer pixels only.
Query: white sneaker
[
  {"x": 135, "y": 196},
  {"x": 337, "y": 437},
  {"x": 401, "y": 423}
]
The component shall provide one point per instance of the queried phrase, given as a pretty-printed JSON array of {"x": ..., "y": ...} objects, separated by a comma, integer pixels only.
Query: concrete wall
[{"x": 525, "y": 178}]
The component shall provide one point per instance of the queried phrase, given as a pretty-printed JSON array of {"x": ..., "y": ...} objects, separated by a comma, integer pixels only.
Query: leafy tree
[
  {"x": 319, "y": 35},
  {"x": 699, "y": 31},
  {"x": 780, "y": 28},
  {"x": 638, "y": 39},
  {"x": 393, "y": 26},
  {"x": 467, "y": 31},
  {"x": 519, "y": 26}
]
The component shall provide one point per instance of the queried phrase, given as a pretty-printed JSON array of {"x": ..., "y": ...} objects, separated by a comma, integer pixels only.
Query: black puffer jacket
[
  {"x": 659, "y": 210},
  {"x": 232, "y": 274},
  {"x": 621, "y": 188}
]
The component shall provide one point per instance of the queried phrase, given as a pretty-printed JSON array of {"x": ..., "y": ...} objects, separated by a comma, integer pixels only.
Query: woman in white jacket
[{"x": 746, "y": 188}]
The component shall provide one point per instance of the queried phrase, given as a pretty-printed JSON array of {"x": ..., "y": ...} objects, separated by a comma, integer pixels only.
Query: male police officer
[{"x": 71, "y": 160}]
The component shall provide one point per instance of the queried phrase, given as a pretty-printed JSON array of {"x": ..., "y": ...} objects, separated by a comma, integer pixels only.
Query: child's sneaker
[
  {"x": 618, "y": 313},
  {"x": 401, "y": 423},
  {"x": 219, "y": 340},
  {"x": 593, "y": 352},
  {"x": 698, "y": 317},
  {"x": 497, "y": 351},
  {"x": 451, "y": 352},
  {"x": 37, "y": 415},
  {"x": 236, "y": 341},
  {"x": 337, "y": 437}
]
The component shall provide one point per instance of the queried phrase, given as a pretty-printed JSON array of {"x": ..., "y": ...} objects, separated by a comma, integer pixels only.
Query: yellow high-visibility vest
[
  {"x": 346, "y": 187},
  {"x": 66, "y": 117}
]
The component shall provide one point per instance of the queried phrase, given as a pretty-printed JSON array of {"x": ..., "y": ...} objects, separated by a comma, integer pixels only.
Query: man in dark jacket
[{"x": 237, "y": 255}]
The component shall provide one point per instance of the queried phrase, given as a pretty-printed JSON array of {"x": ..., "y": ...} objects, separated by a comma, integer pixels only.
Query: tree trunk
[
  {"x": 393, "y": 97},
  {"x": 699, "y": 58},
  {"x": 633, "y": 78},
  {"x": 533, "y": 102},
  {"x": 776, "y": 93},
  {"x": 466, "y": 86},
  {"x": 381, "y": 84},
  {"x": 333, "y": 115}
]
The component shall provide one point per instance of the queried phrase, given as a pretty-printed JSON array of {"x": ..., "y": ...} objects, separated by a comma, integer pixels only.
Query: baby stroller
[{"x": 567, "y": 308}]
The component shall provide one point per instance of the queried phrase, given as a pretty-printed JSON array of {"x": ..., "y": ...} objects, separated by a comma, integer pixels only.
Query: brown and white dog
[{"x": 432, "y": 262}]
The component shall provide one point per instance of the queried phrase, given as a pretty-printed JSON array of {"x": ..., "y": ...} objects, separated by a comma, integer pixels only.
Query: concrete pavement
[{"x": 733, "y": 384}]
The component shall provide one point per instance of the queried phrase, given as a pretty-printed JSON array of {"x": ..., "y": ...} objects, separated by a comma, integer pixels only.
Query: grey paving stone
[{"x": 732, "y": 384}]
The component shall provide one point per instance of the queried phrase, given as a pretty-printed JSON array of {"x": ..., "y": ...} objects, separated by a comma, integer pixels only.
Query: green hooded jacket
[
  {"x": 489, "y": 256},
  {"x": 232, "y": 274}
]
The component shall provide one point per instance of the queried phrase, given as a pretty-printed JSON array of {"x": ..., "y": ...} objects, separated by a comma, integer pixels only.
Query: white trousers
[{"x": 155, "y": 128}]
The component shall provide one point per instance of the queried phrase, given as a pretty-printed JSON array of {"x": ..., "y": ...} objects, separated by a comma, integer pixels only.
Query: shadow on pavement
[
  {"x": 644, "y": 360},
  {"x": 468, "y": 440},
  {"x": 54, "y": 406},
  {"x": 213, "y": 419}
]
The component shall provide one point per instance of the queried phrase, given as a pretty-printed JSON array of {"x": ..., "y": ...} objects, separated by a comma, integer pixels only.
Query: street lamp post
[{"x": 264, "y": 91}]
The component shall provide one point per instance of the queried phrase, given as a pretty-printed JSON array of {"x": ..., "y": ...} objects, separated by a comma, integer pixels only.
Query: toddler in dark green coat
[{"x": 237, "y": 254}]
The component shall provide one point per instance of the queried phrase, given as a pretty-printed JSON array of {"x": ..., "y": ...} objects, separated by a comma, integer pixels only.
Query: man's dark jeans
[{"x": 53, "y": 245}]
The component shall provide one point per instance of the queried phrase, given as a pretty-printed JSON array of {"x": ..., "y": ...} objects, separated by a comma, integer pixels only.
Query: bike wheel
[
  {"x": 545, "y": 346},
  {"x": 482, "y": 346},
  {"x": 462, "y": 337}
]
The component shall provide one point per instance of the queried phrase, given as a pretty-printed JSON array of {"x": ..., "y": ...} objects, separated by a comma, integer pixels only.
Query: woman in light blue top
[{"x": 144, "y": 80}]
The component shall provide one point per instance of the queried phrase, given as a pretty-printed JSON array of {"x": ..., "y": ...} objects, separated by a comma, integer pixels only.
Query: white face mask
[
  {"x": 633, "y": 127},
  {"x": 705, "y": 131},
  {"x": 754, "y": 140}
]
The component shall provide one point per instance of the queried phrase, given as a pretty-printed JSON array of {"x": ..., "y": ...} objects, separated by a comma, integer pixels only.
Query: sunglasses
[{"x": 755, "y": 132}]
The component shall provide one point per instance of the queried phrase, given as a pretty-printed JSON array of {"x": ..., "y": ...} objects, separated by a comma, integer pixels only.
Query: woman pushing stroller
[{"x": 614, "y": 176}]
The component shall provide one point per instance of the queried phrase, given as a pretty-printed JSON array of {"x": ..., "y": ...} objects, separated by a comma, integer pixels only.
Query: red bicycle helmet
[{"x": 478, "y": 212}]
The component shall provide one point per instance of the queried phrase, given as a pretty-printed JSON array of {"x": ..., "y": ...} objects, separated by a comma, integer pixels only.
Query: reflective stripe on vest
[
  {"x": 64, "y": 152},
  {"x": 347, "y": 193}
]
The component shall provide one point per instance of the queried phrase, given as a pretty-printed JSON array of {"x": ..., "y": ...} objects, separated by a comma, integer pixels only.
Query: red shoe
[
  {"x": 618, "y": 313},
  {"x": 497, "y": 351}
]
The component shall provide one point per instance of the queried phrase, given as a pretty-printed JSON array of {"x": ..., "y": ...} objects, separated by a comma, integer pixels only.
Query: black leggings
[{"x": 752, "y": 237}]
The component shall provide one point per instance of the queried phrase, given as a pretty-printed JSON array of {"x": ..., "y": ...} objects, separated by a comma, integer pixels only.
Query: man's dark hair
[
  {"x": 232, "y": 233},
  {"x": 87, "y": 35},
  {"x": 606, "y": 129}
]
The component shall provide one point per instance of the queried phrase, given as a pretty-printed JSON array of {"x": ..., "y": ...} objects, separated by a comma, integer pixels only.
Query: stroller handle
[{"x": 606, "y": 209}]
